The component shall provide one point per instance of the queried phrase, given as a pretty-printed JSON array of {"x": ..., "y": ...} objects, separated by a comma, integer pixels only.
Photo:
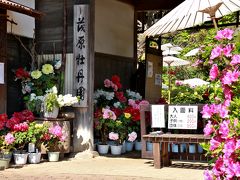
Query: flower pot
[
  {"x": 34, "y": 158},
  {"x": 183, "y": 148},
  {"x": 138, "y": 145},
  {"x": 103, "y": 148},
  {"x": 53, "y": 114},
  {"x": 31, "y": 147},
  {"x": 53, "y": 156},
  {"x": 4, "y": 163},
  {"x": 20, "y": 159},
  {"x": 175, "y": 148},
  {"x": 192, "y": 148},
  {"x": 129, "y": 146},
  {"x": 116, "y": 149},
  {"x": 7, "y": 155},
  {"x": 149, "y": 146},
  {"x": 200, "y": 149}
]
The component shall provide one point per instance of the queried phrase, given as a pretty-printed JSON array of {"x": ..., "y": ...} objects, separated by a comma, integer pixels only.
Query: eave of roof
[{"x": 13, "y": 6}]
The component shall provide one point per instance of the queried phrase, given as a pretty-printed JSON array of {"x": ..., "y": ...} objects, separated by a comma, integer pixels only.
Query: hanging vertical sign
[
  {"x": 182, "y": 117},
  {"x": 1, "y": 73},
  {"x": 81, "y": 53},
  {"x": 158, "y": 116}
]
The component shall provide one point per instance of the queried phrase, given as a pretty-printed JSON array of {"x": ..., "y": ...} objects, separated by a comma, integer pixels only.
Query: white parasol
[
  {"x": 191, "y": 13},
  {"x": 195, "y": 82},
  {"x": 193, "y": 52}
]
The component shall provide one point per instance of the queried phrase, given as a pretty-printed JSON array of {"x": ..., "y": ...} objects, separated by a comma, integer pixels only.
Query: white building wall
[
  {"x": 114, "y": 28},
  {"x": 25, "y": 24}
]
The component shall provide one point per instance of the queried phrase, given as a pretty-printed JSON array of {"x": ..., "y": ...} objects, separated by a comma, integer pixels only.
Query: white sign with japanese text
[
  {"x": 81, "y": 53},
  {"x": 1, "y": 73},
  {"x": 158, "y": 116},
  {"x": 182, "y": 117}
]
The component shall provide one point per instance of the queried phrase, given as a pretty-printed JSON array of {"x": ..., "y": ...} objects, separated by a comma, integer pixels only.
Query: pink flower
[
  {"x": 196, "y": 63},
  {"x": 143, "y": 102},
  {"x": 229, "y": 147},
  {"x": 224, "y": 34},
  {"x": 227, "y": 92},
  {"x": 207, "y": 111},
  {"x": 214, "y": 72},
  {"x": 9, "y": 139},
  {"x": 230, "y": 77},
  {"x": 108, "y": 114},
  {"x": 238, "y": 144},
  {"x": 216, "y": 52},
  {"x": 107, "y": 83},
  {"x": 235, "y": 60},
  {"x": 208, "y": 130},
  {"x": 214, "y": 144},
  {"x": 208, "y": 175},
  {"x": 132, "y": 136},
  {"x": 21, "y": 127},
  {"x": 224, "y": 129},
  {"x": 113, "y": 136},
  {"x": 227, "y": 50},
  {"x": 56, "y": 130},
  {"x": 178, "y": 83},
  {"x": 223, "y": 112},
  {"x": 131, "y": 102}
]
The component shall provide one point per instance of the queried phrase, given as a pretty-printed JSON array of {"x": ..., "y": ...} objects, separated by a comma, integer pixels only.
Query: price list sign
[{"x": 182, "y": 117}]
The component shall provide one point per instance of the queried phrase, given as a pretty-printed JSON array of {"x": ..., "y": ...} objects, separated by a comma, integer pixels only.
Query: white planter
[
  {"x": 4, "y": 163},
  {"x": 34, "y": 158},
  {"x": 149, "y": 146},
  {"x": 174, "y": 148},
  {"x": 192, "y": 148},
  {"x": 103, "y": 149},
  {"x": 31, "y": 147},
  {"x": 200, "y": 149},
  {"x": 53, "y": 156},
  {"x": 53, "y": 114},
  {"x": 116, "y": 149},
  {"x": 7, "y": 155},
  {"x": 138, "y": 145},
  {"x": 183, "y": 148},
  {"x": 129, "y": 146},
  {"x": 20, "y": 159}
]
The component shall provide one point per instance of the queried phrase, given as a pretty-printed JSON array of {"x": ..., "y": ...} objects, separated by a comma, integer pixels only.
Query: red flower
[
  {"x": 3, "y": 117},
  {"x": 21, "y": 127},
  {"x": 21, "y": 73},
  {"x": 120, "y": 96},
  {"x": 28, "y": 115},
  {"x": 46, "y": 137},
  {"x": 115, "y": 79},
  {"x": 135, "y": 113},
  {"x": 98, "y": 113},
  {"x": 11, "y": 122},
  {"x": 117, "y": 111}
]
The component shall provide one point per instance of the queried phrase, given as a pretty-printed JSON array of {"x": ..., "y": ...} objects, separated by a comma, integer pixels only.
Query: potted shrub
[
  {"x": 35, "y": 135},
  {"x": 52, "y": 141}
]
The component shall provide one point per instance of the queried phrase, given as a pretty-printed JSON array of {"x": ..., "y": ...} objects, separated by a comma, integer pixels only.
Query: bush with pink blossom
[{"x": 223, "y": 113}]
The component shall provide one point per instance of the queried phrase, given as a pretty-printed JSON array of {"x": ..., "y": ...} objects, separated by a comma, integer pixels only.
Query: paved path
[{"x": 103, "y": 168}]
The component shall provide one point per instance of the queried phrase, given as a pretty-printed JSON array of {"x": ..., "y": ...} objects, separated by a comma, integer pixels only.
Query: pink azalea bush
[{"x": 223, "y": 113}]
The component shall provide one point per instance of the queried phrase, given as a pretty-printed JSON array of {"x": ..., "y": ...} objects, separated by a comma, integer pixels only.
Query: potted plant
[
  {"x": 35, "y": 135},
  {"x": 52, "y": 141},
  {"x": 7, "y": 145},
  {"x": 107, "y": 116},
  {"x": 52, "y": 102},
  {"x": 116, "y": 149}
]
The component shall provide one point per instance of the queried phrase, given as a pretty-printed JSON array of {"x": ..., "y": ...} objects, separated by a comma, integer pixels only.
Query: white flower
[
  {"x": 66, "y": 100},
  {"x": 32, "y": 96},
  {"x": 117, "y": 104},
  {"x": 52, "y": 90},
  {"x": 101, "y": 93},
  {"x": 133, "y": 95}
]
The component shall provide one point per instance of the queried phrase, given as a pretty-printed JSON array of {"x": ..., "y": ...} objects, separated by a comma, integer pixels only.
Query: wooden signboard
[
  {"x": 182, "y": 117},
  {"x": 81, "y": 53}
]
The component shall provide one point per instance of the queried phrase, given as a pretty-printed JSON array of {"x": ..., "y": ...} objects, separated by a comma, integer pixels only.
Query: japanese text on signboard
[
  {"x": 182, "y": 117},
  {"x": 80, "y": 50}
]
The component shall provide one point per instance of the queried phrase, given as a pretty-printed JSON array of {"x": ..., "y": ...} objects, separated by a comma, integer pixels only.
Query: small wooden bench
[{"x": 161, "y": 155}]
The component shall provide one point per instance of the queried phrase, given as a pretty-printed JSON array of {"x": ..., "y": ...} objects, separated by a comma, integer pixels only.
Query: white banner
[
  {"x": 182, "y": 117},
  {"x": 81, "y": 53},
  {"x": 1, "y": 73},
  {"x": 158, "y": 116}
]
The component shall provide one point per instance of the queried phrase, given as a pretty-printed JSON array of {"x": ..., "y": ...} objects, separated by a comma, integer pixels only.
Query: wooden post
[
  {"x": 3, "y": 57},
  {"x": 84, "y": 81}
]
